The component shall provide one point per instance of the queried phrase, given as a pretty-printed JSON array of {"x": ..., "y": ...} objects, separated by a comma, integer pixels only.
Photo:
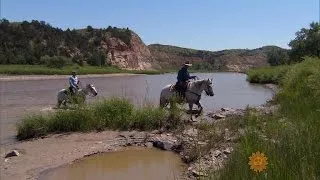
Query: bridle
[
  {"x": 88, "y": 91},
  {"x": 198, "y": 95},
  {"x": 90, "y": 94}
]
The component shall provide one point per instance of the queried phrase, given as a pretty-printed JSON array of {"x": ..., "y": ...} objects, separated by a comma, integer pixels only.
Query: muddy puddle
[{"x": 129, "y": 164}]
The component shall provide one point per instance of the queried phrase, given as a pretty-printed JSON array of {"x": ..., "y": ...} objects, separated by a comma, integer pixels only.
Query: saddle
[
  {"x": 179, "y": 89},
  {"x": 67, "y": 91}
]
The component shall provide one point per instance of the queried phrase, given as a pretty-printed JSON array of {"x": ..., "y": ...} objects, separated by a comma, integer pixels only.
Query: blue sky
[{"x": 204, "y": 24}]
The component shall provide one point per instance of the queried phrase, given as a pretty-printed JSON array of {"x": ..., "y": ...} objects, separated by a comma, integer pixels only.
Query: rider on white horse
[
  {"x": 74, "y": 83},
  {"x": 183, "y": 78}
]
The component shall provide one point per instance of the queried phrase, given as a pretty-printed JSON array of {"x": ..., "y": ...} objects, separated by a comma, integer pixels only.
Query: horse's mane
[
  {"x": 200, "y": 80},
  {"x": 197, "y": 82}
]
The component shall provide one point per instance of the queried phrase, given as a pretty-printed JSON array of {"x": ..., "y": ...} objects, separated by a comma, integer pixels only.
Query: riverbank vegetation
[
  {"x": 111, "y": 114},
  {"x": 81, "y": 70},
  {"x": 268, "y": 74},
  {"x": 305, "y": 47},
  {"x": 289, "y": 137}
]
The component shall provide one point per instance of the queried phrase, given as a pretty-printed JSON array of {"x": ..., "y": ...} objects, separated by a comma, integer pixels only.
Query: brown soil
[{"x": 38, "y": 155}]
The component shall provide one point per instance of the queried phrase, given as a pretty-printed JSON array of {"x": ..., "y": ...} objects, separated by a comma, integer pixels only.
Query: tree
[
  {"x": 97, "y": 59},
  {"x": 20, "y": 59},
  {"x": 78, "y": 58},
  {"x": 89, "y": 28},
  {"x": 55, "y": 61},
  {"x": 103, "y": 59},
  {"x": 4, "y": 23},
  {"x": 42, "y": 23},
  {"x": 109, "y": 29},
  {"x": 277, "y": 57},
  {"x": 306, "y": 43},
  {"x": 3, "y": 59}
]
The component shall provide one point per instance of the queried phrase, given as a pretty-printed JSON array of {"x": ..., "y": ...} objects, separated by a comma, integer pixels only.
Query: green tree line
[
  {"x": 306, "y": 43},
  {"x": 37, "y": 42}
]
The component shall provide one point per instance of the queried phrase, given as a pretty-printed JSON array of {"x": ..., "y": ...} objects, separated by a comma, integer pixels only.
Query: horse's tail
[
  {"x": 165, "y": 95},
  {"x": 162, "y": 103}
]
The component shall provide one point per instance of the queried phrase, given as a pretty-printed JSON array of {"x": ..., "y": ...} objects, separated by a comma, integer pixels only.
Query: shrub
[
  {"x": 97, "y": 59},
  {"x": 79, "y": 119},
  {"x": 267, "y": 75},
  {"x": 148, "y": 118},
  {"x": 32, "y": 126},
  {"x": 55, "y": 61},
  {"x": 114, "y": 113}
]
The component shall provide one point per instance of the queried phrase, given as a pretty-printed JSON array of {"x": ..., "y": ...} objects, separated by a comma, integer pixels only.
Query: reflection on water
[
  {"x": 132, "y": 164},
  {"x": 22, "y": 97}
]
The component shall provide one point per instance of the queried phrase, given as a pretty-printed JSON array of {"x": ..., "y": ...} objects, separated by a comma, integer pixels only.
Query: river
[{"x": 19, "y": 98}]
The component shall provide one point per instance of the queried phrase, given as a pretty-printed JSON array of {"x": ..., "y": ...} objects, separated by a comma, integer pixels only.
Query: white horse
[
  {"x": 192, "y": 94},
  {"x": 63, "y": 96}
]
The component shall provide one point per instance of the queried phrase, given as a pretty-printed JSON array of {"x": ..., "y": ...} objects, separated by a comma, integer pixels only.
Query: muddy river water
[
  {"x": 131, "y": 164},
  {"x": 19, "y": 98}
]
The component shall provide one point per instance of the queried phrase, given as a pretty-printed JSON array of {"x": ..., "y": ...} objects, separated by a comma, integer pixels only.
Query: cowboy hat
[{"x": 187, "y": 63}]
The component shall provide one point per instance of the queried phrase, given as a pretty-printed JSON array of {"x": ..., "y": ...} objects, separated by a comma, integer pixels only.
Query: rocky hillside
[
  {"x": 35, "y": 42},
  {"x": 237, "y": 60}
]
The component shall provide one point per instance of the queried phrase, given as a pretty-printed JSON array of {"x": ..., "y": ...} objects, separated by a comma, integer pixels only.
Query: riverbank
[
  {"x": 288, "y": 135},
  {"x": 41, "y": 155},
  {"x": 202, "y": 145},
  {"x": 34, "y": 70},
  {"x": 52, "y": 151},
  {"x": 81, "y": 70},
  {"x": 48, "y": 77}
]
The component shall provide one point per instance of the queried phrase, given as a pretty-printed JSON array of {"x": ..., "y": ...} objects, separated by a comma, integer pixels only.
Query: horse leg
[
  {"x": 163, "y": 103},
  {"x": 190, "y": 111},
  {"x": 65, "y": 103},
  {"x": 199, "y": 107},
  {"x": 58, "y": 104}
]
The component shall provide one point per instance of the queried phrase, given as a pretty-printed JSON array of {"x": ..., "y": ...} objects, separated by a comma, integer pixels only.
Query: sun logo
[{"x": 258, "y": 162}]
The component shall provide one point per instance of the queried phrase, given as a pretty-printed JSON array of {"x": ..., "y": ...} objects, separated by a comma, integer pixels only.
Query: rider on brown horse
[{"x": 183, "y": 78}]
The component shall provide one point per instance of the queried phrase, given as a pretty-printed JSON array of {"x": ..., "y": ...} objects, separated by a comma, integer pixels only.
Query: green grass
[
  {"x": 81, "y": 70},
  {"x": 267, "y": 75},
  {"x": 113, "y": 114},
  {"x": 44, "y": 70},
  {"x": 289, "y": 138}
]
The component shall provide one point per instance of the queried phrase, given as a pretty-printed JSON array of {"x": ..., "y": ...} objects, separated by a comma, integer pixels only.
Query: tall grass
[
  {"x": 290, "y": 138},
  {"x": 267, "y": 75},
  {"x": 114, "y": 113},
  {"x": 44, "y": 70}
]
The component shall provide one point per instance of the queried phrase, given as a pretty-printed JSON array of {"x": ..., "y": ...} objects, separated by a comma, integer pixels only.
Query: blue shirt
[
  {"x": 73, "y": 81},
  {"x": 183, "y": 75}
]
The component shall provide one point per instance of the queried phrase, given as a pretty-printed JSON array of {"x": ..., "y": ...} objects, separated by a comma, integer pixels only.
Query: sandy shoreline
[
  {"x": 47, "y": 77},
  {"x": 56, "y": 150},
  {"x": 45, "y": 154}
]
